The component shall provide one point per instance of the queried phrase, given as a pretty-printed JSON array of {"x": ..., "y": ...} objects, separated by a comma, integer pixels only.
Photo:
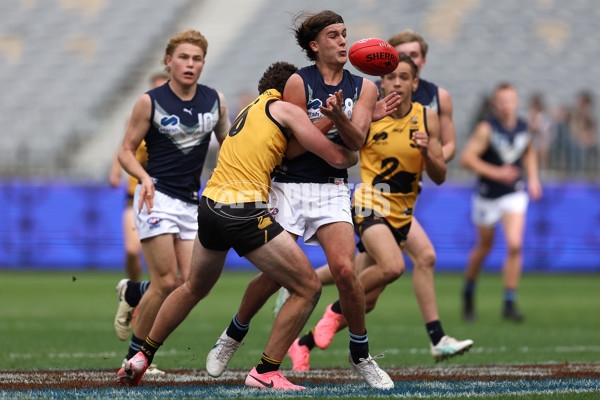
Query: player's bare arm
[
  {"x": 310, "y": 138},
  {"x": 447, "y": 130},
  {"x": 531, "y": 169},
  {"x": 115, "y": 173},
  {"x": 223, "y": 124},
  {"x": 294, "y": 93},
  {"x": 430, "y": 147},
  {"x": 471, "y": 157},
  {"x": 139, "y": 123}
]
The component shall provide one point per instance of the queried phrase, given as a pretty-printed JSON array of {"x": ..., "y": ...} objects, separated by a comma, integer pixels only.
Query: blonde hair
[
  {"x": 407, "y": 36},
  {"x": 188, "y": 36}
]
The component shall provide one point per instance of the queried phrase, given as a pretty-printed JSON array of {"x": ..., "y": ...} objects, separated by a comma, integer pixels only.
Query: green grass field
[{"x": 60, "y": 320}]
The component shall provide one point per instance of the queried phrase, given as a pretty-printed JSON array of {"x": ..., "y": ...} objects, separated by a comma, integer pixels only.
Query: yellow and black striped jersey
[
  {"x": 142, "y": 156},
  {"x": 390, "y": 168},
  {"x": 254, "y": 145}
]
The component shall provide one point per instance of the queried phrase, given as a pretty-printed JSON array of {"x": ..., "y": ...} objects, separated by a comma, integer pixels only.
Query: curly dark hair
[
  {"x": 308, "y": 25},
  {"x": 276, "y": 76}
]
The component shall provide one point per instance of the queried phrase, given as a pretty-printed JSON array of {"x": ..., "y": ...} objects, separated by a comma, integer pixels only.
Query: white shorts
[
  {"x": 487, "y": 212},
  {"x": 169, "y": 215},
  {"x": 301, "y": 208}
]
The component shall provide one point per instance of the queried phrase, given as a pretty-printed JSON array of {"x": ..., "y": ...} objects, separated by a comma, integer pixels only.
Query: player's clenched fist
[{"x": 421, "y": 140}]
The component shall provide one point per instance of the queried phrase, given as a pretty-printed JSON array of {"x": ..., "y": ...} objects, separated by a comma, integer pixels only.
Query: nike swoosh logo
[{"x": 267, "y": 385}]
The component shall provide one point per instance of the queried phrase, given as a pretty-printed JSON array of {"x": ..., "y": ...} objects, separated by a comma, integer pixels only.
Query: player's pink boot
[
  {"x": 133, "y": 371},
  {"x": 300, "y": 356},
  {"x": 270, "y": 380},
  {"x": 327, "y": 327}
]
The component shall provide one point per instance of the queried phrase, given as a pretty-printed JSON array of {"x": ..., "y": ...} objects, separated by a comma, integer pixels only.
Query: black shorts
[
  {"x": 245, "y": 227},
  {"x": 368, "y": 219}
]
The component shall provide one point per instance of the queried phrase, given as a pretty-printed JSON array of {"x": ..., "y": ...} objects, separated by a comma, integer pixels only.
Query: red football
[{"x": 373, "y": 56}]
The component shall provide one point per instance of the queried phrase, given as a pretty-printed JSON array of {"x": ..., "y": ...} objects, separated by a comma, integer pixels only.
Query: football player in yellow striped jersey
[{"x": 399, "y": 147}]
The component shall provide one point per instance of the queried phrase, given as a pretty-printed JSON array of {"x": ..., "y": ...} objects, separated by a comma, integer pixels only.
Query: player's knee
[
  {"x": 515, "y": 249},
  {"x": 484, "y": 246},
  {"x": 311, "y": 286},
  {"x": 393, "y": 271},
  {"x": 426, "y": 259},
  {"x": 167, "y": 284},
  {"x": 345, "y": 278}
]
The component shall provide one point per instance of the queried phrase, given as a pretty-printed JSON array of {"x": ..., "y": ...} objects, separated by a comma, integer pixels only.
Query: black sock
[
  {"x": 336, "y": 307},
  {"x": 267, "y": 364},
  {"x": 135, "y": 291},
  {"x": 435, "y": 331},
  {"x": 509, "y": 305},
  {"x": 510, "y": 297},
  {"x": 236, "y": 330},
  {"x": 469, "y": 288},
  {"x": 134, "y": 346},
  {"x": 359, "y": 347},
  {"x": 308, "y": 340},
  {"x": 149, "y": 348}
]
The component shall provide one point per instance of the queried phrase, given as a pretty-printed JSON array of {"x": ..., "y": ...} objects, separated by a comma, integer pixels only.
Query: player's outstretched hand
[
  {"x": 386, "y": 106},
  {"x": 335, "y": 107}
]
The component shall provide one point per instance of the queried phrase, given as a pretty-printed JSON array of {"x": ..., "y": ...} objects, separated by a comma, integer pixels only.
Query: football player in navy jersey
[
  {"x": 310, "y": 198},
  {"x": 176, "y": 120},
  {"x": 499, "y": 150},
  {"x": 133, "y": 263},
  {"x": 133, "y": 288}
]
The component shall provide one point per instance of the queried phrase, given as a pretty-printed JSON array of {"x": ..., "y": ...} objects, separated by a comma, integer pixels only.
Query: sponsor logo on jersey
[
  {"x": 313, "y": 111},
  {"x": 169, "y": 124},
  {"x": 380, "y": 136}
]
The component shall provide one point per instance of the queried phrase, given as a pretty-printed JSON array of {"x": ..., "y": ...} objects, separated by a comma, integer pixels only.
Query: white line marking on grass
[
  {"x": 393, "y": 351},
  {"x": 422, "y": 390},
  {"x": 502, "y": 349}
]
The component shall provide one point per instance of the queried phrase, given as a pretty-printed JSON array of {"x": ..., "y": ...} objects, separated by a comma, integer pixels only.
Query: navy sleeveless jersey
[
  {"x": 309, "y": 167},
  {"x": 506, "y": 147},
  {"x": 178, "y": 138},
  {"x": 427, "y": 95}
]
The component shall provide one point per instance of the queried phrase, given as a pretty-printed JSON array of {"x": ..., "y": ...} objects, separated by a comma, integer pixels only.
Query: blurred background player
[
  {"x": 176, "y": 120},
  {"x": 498, "y": 151},
  {"x": 130, "y": 290},
  {"x": 417, "y": 245},
  {"x": 311, "y": 198},
  {"x": 233, "y": 212}
]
